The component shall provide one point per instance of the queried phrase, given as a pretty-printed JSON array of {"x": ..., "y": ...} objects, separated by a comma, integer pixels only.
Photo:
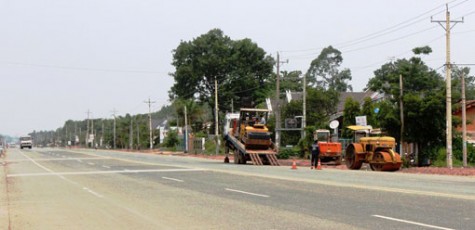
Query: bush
[
  {"x": 458, "y": 150},
  {"x": 171, "y": 140},
  {"x": 286, "y": 153}
]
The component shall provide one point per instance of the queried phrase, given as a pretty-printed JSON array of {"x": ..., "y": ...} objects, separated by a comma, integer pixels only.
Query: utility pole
[
  {"x": 464, "y": 123},
  {"x": 87, "y": 130},
  {"x": 448, "y": 81},
  {"x": 401, "y": 108},
  {"x": 102, "y": 133},
  {"x": 304, "y": 96},
  {"x": 93, "y": 135},
  {"x": 186, "y": 132},
  {"x": 138, "y": 133},
  {"x": 114, "y": 133},
  {"x": 150, "y": 121},
  {"x": 131, "y": 134},
  {"x": 277, "y": 103},
  {"x": 75, "y": 132},
  {"x": 216, "y": 115}
]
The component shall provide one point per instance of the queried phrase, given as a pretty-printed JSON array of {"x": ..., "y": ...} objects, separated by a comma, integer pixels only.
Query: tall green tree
[
  {"x": 321, "y": 104},
  {"x": 196, "y": 113},
  {"x": 241, "y": 68},
  {"x": 368, "y": 111},
  {"x": 291, "y": 81},
  {"x": 325, "y": 71},
  {"x": 423, "y": 99},
  {"x": 350, "y": 111}
]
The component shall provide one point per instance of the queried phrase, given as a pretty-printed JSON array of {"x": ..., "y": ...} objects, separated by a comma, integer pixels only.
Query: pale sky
[{"x": 61, "y": 58}]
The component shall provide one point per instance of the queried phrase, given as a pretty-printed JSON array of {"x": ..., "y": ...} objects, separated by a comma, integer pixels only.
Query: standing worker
[
  {"x": 263, "y": 120},
  {"x": 315, "y": 154}
]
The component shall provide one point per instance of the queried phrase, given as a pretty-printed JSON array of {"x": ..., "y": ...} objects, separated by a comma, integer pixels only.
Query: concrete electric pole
[
  {"x": 464, "y": 123},
  {"x": 113, "y": 130},
  {"x": 86, "y": 140},
  {"x": 447, "y": 27},
  {"x": 304, "y": 98},
  {"x": 401, "y": 107},
  {"x": 150, "y": 121},
  {"x": 277, "y": 103},
  {"x": 216, "y": 131},
  {"x": 186, "y": 132}
]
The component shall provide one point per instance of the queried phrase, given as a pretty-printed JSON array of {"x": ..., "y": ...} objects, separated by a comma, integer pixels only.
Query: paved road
[{"x": 86, "y": 189}]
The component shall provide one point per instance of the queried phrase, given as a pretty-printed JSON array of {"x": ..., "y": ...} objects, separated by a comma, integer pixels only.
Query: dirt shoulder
[{"x": 456, "y": 171}]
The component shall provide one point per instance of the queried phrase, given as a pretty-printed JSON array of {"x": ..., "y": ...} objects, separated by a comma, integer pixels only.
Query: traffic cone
[
  {"x": 294, "y": 165},
  {"x": 319, "y": 166}
]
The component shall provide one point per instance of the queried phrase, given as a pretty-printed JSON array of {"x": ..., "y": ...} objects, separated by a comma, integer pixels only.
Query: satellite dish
[{"x": 334, "y": 124}]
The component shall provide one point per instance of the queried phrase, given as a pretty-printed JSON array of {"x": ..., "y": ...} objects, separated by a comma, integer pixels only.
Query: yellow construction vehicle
[
  {"x": 249, "y": 138},
  {"x": 377, "y": 151}
]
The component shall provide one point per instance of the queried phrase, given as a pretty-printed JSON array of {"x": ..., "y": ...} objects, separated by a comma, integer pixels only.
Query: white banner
[{"x": 361, "y": 120}]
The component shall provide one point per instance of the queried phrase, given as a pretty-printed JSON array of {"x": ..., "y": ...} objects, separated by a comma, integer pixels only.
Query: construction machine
[
  {"x": 372, "y": 148},
  {"x": 329, "y": 151},
  {"x": 248, "y": 137}
]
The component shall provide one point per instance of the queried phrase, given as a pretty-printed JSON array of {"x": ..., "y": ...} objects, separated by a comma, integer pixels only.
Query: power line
[
  {"x": 86, "y": 68},
  {"x": 388, "y": 30}
]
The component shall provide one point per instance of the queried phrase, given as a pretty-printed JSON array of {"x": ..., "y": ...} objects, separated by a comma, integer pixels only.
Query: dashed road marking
[
  {"x": 412, "y": 222},
  {"x": 50, "y": 173},
  {"x": 173, "y": 179},
  {"x": 248, "y": 193},
  {"x": 105, "y": 166},
  {"x": 92, "y": 192}
]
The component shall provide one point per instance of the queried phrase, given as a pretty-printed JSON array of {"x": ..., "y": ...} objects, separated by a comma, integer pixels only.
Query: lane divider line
[
  {"x": 90, "y": 163},
  {"x": 93, "y": 193},
  {"x": 57, "y": 159},
  {"x": 412, "y": 222},
  {"x": 247, "y": 193},
  {"x": 102, "y": 172},
  {"x": 173, "y": 179},
  {"x": 105, "y": 166}
]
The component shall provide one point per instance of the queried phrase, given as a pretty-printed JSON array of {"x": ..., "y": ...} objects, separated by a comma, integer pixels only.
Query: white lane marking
[
  {"x": 412, "y": 222},
  {"x": 105, "y": 166},
  {"x": 92, "y": 192},
  {"x": 173, "y": 179},
  {"x": 90, "y": 163},
  {"x": 248, "y": 193},
  {"x": 59, "y": 159},
  {"x": 103, "y": 172}
]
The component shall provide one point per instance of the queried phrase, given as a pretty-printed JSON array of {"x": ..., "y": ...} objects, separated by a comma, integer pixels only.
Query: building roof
[{"x": 357, "y": 96}]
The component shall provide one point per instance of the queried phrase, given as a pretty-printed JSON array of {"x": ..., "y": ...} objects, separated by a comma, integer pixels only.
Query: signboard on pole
[{"x": 361, "y": 120}]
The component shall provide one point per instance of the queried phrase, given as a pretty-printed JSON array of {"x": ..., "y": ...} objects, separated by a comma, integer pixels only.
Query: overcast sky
[{"x": 61, "y": 58}]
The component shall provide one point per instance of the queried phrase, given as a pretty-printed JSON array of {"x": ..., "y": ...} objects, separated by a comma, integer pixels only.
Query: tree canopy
[
  {"x": 240, "y": 67},
  {"x": 325, "y": 71},
  {"x": 423, "y": 99}
]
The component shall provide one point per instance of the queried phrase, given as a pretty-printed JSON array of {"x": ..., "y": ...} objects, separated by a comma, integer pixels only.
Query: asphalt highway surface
[{"x": 96, "y": 189}]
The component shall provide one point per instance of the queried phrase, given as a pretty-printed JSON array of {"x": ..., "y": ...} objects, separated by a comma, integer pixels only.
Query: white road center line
[
  {"x": 102, "y": 172},
  {"x": 173, "y": 179},
  {"x": 105, "y": 166},
  {"x": 92, "y": 192},
  {"x": 412, "y": 222},
  {"x": 59, "y": 159},
  {"x": 90, "y": 163},
  {"x": 248, "y": 193}
]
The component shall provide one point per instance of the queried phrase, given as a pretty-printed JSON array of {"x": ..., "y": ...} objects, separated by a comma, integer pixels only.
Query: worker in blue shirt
[{"x": 315, "y": 154}]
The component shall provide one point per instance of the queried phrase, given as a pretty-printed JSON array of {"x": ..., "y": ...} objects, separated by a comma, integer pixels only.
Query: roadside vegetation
[{"x": 244, "y": 76}]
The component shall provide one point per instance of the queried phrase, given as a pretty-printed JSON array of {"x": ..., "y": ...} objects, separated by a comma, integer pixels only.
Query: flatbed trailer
[{"x": 242, "y": 155}]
